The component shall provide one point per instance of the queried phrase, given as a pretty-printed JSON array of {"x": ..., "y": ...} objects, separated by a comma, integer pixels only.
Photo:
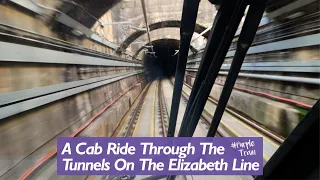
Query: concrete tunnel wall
[
  {"x": 279, "y": 116},
  {"x": 16, "y": 16},
  {"x": 42, "y": 125}
]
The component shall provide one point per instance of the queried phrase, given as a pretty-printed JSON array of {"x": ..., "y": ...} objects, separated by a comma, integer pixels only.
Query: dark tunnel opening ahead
[{"x": 163, "y": 63}]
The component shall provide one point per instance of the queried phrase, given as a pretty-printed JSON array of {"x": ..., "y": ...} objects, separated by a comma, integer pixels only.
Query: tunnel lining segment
[
  {"x": 176, "y": 41},
  {"x": 22, "y": 53},
  {"x": 273, "y": 77},
  {"x": 310, "y": 40},
  {"x": 20, "y": 107},
  {"x": 312, "y": 66},
  {"x": 163, "y": 24},
  {"x": 12, "y": 97}
]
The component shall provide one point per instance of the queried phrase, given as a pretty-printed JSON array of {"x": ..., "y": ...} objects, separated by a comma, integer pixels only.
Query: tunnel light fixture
[
  {"x": 177, "y": 51},
  {"x": 295, "y": 15},
  {"x": 138, "y": 29},
  {"x": 202, "y": 33},
  {"x": 77, "y": 32},
  {"x": 146, "y": 21},
  {"x": 103, "y": 24},
  {"x": 139, "y": 42},
  {"x": 147, "y": 46},
  {"x": 152, "y": 53}
]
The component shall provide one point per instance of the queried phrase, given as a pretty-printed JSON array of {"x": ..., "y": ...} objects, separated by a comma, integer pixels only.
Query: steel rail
[
  {"x": 132, "y": 107},
  {"x": 162, "y": 109},
  {"x": 186, "y": 96},
  {"x": 133, "y": 121}
]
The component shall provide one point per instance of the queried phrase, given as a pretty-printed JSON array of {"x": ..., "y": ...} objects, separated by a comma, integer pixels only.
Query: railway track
[
  {"x": 150, "y": 112},
  {"x": 163, "y": 116},
  {"x": 204, "y": 119},
  {"x": 129, "y": 121},
  {"x": 135, "y": 114}
]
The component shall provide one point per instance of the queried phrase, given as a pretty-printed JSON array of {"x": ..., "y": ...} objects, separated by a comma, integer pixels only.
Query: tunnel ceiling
[
  {"x": 164, "y": 42},
  {"x": 79, "y": 9},
  {"x": 160, "y": 14},
  {"x": 158, "y": 25},
  {"x": 163, "y": 33},
  {"x": 124, "y": 21}
]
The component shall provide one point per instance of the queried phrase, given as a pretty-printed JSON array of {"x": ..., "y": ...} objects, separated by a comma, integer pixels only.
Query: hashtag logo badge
[{"x": 234, "y": 145}]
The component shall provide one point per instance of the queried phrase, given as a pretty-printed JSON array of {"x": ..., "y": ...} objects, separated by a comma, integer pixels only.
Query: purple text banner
[{"x": 160, "y": 156}]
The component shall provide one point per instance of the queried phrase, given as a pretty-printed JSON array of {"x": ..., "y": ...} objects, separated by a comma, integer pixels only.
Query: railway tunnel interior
[
  {"x": 162, "y": 63},
  {"x": 91, "y": 68}
]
